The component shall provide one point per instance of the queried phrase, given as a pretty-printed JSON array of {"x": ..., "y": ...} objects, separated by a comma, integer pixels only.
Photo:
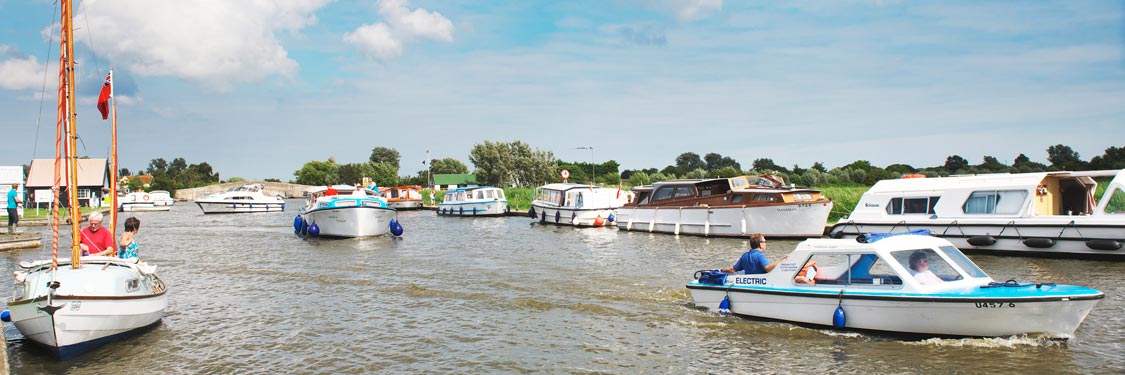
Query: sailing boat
[{"x": 74, "y": 306}]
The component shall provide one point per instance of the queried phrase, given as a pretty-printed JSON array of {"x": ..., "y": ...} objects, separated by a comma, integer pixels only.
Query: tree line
[{"x": 518, "y": 164}]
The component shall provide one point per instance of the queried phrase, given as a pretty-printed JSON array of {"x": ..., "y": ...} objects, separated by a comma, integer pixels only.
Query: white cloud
[
  {"x": 375, "y": 41},
  {"x": 211, "y": 42},
  {"x": 687, "y": 10},
  {"x": 21, "y": 73},
  {"x": 385, "y": 40}
]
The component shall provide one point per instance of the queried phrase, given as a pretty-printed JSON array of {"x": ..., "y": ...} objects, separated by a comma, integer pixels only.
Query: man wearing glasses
[
  {"x": 754, "y": 260},
  {"x": 95, "y": 239}
]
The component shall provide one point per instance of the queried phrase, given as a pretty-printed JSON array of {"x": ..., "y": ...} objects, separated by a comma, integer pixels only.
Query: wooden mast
[{"x": 67, "y": 36}]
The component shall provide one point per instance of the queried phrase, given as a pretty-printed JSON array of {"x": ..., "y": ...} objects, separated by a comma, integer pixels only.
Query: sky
[{"x": 258, "y": 88}]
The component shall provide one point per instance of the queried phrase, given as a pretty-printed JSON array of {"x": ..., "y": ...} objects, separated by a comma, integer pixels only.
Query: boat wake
[{"x": 995, "y": 342}]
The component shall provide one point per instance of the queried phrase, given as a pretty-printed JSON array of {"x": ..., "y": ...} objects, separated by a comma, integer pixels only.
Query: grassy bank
[
  {"x": 844, "y": 199},
  {"x": 29, "y": 213}
]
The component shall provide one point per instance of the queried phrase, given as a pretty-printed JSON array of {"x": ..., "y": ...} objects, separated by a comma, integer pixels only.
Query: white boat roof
[
  {"x": 995, "y": 180},
  {"x": 893, "y": 243},
  {"x": 568, "y": 186},
  {"x": 341, "y": 188}
]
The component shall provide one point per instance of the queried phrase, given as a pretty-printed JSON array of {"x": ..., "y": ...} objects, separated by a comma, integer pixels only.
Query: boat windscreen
[{"x": 963, "y": 261}]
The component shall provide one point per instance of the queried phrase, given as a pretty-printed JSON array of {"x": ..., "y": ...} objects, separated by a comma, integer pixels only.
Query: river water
[{"x": 503, "y": 295}]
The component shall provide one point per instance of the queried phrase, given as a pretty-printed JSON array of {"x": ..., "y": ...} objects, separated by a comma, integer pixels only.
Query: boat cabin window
[
  {"x": 499, "y": 194},
  {"x": 858, "y": 269},
  {"x": 736, "y": 198},
  {"x": 490, "y": 194},
  {"x": 663, "y": 193},
  {"x": 1116, "y": 203},
  {"x": 578, "y": 201},
  {"x": 925, "y": 264},
  {"x": 642, "y": 197},
  {"x": 685, "y": 191},
  {"x": 915, "y": 205},
  {"x": 767, "y": 198},
  {"x": 995, "y": 202},
  {"x": 802, "y": 197},
  {"x": 963, "y": 261}
]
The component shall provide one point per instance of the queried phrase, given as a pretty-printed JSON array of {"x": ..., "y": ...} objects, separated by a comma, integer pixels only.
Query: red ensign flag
[{"x": 103, "y": 98}]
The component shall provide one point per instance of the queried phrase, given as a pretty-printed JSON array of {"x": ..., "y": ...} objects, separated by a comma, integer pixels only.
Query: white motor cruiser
[
  {"x": 577, "y": 204},
  {"x": 245, "y": 198},
  {"x": 346, "y": 211}
]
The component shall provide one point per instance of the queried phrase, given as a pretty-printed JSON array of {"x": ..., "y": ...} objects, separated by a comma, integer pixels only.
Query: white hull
[
  {"x": 484, "y": 208},
  {"x": 351, "y": 221},
  {"x": 1059, "y": 234},
  {"x": 570, "y": 216},
  {"x": 142, "y": 207},
  {"x": 926, "y": 316},
  {"x": 791, "y": 220},
  {"x": 221, "y": 207},
  {"x": 96, "y": 305},
  {"x": 405, "y": 205}
]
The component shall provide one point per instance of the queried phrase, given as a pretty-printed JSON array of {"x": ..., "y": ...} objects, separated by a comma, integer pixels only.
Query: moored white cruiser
[
  {"x": 474, "y": 201},
  {"x": 1043, "y": 214},
  {"x": 577, "y": 204}
]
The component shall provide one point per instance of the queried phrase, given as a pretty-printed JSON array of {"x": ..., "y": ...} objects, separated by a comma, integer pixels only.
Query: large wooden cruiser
[{"x": 727, "y": 207}]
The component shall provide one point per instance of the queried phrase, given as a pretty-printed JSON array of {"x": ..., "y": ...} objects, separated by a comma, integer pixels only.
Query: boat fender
[
  {"x": 598, "y": 221},
  {"x": 1104, "y": 244},
  {"x": 314, "y": 230},
  {"x": 462, "y": 211},
  {"x": 611, "y": 218},
  {"x": 297, "y": 224},
  {"x": 304, "y": 227},
  {"x": 836, "y": 235},
  {"x": 572, "y": 216},
  {"x": 984, "y": 240},
  {"x": 839, "y": 320},
  {"x": 396, "y": 228},
  {"x": 724, "y": 306},
  {"x": 861, "y": 238},
  {"x": 531, "y": 213},
  {"x": 557, "y": 217},
  {"x": 6, "y": 316},
  {"x": 543, "y": 218},
  {"x": 1039, "y": 242}
]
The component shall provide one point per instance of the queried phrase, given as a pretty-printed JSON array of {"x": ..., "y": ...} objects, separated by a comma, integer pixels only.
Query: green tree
[
  {"x": 715, "y": 161},
  {"x": 725, "y": 172},
  {"x": 991, "y": 164},
  {"x": 765, "y": 164},
  {"x": 819, "y": 167},
  {"x": 448, "y": 166},
  {"x": 689, "y": 161},
  {"x": 901, "y": 169},
  {"x": 1114, "y": 158},
  {"x": 318, "y": 173},
  {"x": 385, "y": 155},
  {"x": 955, "y": 163},
  {"x": 1064, "y": 158},
  {"x": 511, "y": 164},
  {"x": 639, "y": 178}
]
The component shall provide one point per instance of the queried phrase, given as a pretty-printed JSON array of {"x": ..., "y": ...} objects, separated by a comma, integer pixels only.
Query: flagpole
[{"x": 113, "y": 165}]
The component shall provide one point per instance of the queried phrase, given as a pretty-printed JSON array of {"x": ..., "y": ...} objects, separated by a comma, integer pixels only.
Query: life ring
[{"x": 146, "y": 197}]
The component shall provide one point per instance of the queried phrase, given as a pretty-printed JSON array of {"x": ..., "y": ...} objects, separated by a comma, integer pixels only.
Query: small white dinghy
[{"x": 878, "y": 287}]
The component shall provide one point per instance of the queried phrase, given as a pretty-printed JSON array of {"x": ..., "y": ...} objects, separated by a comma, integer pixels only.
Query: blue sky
[{"x": 257, "y": 89}]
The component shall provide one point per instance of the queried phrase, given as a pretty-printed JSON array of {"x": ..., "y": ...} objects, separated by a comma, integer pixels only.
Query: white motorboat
[
  {"x": 727, "y": 207},
  {"x": 73, "y": 310},
  {"x": 245, "y": 198},
  {"x": 474, "y": 201},
  {"x": 346, "y": 211},
  {"x": 74, "y": 306},
  {"x": 162, "y": 198},
  {"x": 1041, "y": 214},
  {"x": 140, "y": 201},
  {"x": 577, "y": 204},
  {"x": 884, "y": 286}
]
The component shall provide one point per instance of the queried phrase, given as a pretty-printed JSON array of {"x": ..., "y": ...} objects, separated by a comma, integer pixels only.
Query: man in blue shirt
[
  {"x": 754, "y": 260},
  {"x": 13, "y": 208}
]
